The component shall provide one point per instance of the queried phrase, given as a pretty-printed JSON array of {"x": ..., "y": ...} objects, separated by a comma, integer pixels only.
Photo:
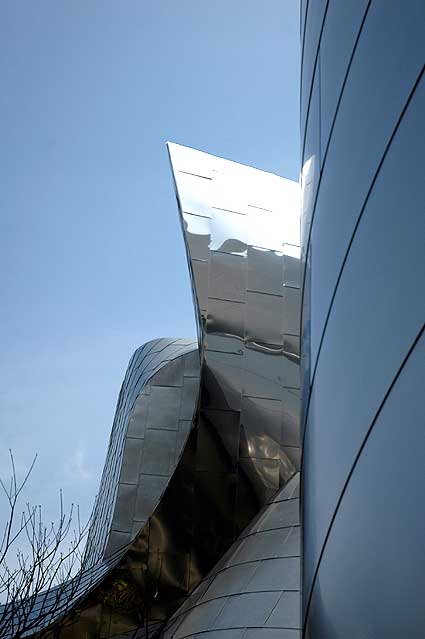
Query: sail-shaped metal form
[{"x": 241, "y": 228}]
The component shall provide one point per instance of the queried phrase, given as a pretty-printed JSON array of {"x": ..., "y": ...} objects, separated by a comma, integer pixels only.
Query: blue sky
[{"x": 91, "y": 259}]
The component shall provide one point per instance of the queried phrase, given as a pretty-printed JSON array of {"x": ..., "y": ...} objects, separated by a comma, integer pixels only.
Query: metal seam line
[
  {"x": 371, "y": 187},
  {"x": 323, "y": 160},
  {"x": 358, "y": 455}
]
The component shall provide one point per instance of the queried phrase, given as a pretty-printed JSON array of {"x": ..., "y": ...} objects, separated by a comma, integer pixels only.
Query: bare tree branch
[{"x": 39, "y": 585}]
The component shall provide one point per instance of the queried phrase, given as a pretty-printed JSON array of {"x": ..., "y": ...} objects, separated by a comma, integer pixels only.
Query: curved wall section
[
  {"x": 254, "y": 590},
  {"x": 154, "y": 412},
  {"x": 111, "y": 595},
  {"x": 363, "y": 312},
  {"x": 241, "y": 228}
]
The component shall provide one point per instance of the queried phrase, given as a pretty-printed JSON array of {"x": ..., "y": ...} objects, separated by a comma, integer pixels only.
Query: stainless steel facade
[
  {"x": 253, "y": 592},
  {"x": 363, "y": 230},
  {"x": 154, "y": 414},
  {"x": 206, "y": 438},
  {"x": 241, "y": 228},
  {"x": 197, "y": 526}
]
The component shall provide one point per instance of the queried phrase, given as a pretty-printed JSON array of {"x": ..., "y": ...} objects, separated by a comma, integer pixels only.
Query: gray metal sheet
[{"x": 247, "y": 609}]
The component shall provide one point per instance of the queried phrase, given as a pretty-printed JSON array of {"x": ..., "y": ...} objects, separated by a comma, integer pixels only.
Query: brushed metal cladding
[
  {"x": 363, "y": 315},
  {"x": 254, "y": 590},
  {"x": 155, "y": 405}
]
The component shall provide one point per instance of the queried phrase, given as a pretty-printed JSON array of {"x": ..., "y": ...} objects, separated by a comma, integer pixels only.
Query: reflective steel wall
[
  {"x": 207, "y": 436},
  {"x": 153, "y": 420},
  {"x": 363, "y": 231},
  {"x": 241, "y": 228},
  {"x": 154, "y": 412},
  {"x": 253, "y": 592}
]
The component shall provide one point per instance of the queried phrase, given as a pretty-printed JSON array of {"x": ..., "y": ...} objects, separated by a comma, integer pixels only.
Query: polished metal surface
[
  {"x": 197, "y": 529},
  {"x": 363, "y": 313},
  {"x": 207, "y": 436},
  {"x": 247, "y": 297},
  {"x": 155, "y": 409},
  {"x": 153, "y": 419},
  {"x": 254, "y": 590},
  {"x": 241, "y": 228}
]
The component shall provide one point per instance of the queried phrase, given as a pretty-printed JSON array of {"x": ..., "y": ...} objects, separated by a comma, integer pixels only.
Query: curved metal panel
[
  {"x": 254, "y": 590},
  {"x": 241, "y": 228},
  {"x": 384, "y": 323},
  {"x": 364, "y": 266},
  {"x": 151, "y": 419},
  {"x": 389, "y": 57},
  {"x": 313, "y": 23},
  {"x": 381, "y": 521}
]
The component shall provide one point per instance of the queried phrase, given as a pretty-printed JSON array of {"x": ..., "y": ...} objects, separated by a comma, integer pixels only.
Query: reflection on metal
[
  {"x": 363, "y": 315},
  {"x": 154, "y": 415},
  {"x": 197, "y": 453},
  {"x": 152, "y": 420},
  {"x": 253, "y": 592},
  {"x": 241, "y": 228}
]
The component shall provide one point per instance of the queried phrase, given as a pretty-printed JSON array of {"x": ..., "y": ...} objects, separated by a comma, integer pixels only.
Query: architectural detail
[
  {"x": 153, "y": 418},
  {"x": 362, "y": 106},
  {"x": 196, "y": 533},
  {"x": 254, "y": 590},
  {"x": 205, "y": 440},
  {"x": 243, "y": 249},
  {"x": 241, "y": 228}
]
